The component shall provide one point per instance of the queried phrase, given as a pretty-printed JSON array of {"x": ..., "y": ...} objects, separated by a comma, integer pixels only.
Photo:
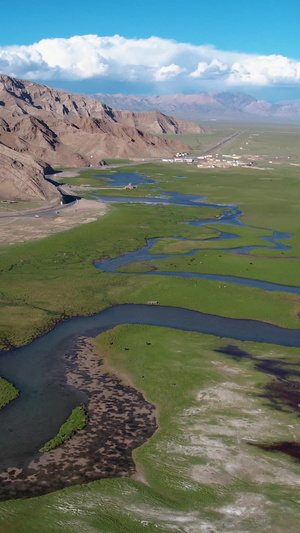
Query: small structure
[
  {"x": 181, "y": 154},
  {"x": 183, "y": 160}
]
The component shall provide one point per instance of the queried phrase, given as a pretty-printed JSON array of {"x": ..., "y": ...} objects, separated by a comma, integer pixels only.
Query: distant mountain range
[
  {"x": 40, "y": 126},
  {"x": 201, "y": 106}
]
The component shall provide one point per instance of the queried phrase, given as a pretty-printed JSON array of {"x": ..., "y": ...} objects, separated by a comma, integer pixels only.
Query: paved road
[
  {"x": 221, "y": 143},
  {"x": 40, "y": 213},
  {"x": 159, "y": 160}
]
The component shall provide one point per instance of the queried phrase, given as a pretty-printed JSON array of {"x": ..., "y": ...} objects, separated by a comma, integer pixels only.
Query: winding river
[
  {"x": 38, "y": 370},
  {"x": 229, "y": 217}
]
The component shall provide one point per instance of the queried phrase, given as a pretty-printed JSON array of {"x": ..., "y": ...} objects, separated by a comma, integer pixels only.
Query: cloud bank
[{"x": 154, "y": 61}]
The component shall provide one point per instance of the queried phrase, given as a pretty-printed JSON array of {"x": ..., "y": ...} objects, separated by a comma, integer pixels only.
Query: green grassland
[
  {"x": 7, "y": 392},
  {"x": 77, "y": 420},
  {"x": 34, "y": 274},
  {"x": 280, "y": 140},
  {"x": 200, "y": 471},
  {"x": 258, "y": 193},
  {"x": 202, "y": 141},
  {"x": 46, "y": 281},
  {"x": 235, "y": 265},
  {"x": 266, "y": 203},
  {"x": 249, "y": 236}
]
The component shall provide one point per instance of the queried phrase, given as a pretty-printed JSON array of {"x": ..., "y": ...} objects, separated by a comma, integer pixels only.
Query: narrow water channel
[{"x": 229, "y": 217}]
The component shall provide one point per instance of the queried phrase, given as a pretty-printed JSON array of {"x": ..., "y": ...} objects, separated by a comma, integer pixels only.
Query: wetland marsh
[{"x": 223, "y": 398}]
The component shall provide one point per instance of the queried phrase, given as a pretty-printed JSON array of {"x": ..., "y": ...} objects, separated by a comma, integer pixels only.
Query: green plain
[{"x": 198, "y": 471}]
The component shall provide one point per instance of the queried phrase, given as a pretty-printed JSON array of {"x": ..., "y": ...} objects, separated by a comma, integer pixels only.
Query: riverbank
[
  {"x": 199, "y": 467},
  {"x": 119, "y": 421}
]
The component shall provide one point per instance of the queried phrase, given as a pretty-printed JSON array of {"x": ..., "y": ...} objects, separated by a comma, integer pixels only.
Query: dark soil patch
[
  {"x": 283, "y": 391},
  {"x": 292, "y": 449}
]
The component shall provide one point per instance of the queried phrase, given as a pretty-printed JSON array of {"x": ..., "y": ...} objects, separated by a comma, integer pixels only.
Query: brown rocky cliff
[
  {"x": 38, "y": 123},
  {"x": 22, "y": 178},
  {"x": 157, "y": 123}
]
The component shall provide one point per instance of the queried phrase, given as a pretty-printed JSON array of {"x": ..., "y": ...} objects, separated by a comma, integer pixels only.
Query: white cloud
[
  {"x": 167, "y": 73},
  {"x": 265, "y": 70},
  {"x": 209, "y": 71},
  {"x": 21, "y": 61},
  {"x": 153, "y": 61}
]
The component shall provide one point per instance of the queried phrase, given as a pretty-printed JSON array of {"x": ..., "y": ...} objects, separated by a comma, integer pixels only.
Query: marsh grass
[
  {"x": 77, "y": 420},
  {"x": 7, "y": 392},
  {"x": 207, "y": 240}
]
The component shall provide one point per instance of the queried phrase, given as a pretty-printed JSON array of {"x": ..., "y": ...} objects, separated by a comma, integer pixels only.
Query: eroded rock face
[
  {"x": 22, "y": 178},
  {"x": 35, "y": 99},
  {"x": 73, "y": 130},
  {"x": 157, "y": 123}
]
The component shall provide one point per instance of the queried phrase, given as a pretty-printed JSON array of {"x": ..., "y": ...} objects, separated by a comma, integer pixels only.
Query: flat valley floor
[{"x": 195, "y": 433}]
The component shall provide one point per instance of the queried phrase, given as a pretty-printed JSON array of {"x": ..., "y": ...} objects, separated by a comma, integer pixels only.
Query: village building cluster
[
  {"x": 212, "y": 161},
  {"x": 223, "y": 161}
]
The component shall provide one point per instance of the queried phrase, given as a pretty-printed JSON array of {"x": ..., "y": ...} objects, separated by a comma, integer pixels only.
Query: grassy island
[
  {"x": 7, "y": 392},
  {"x": 77, "y": 420}
]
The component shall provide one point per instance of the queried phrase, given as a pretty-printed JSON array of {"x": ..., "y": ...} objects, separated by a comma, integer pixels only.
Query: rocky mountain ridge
[{"x": 201, "y": 106}]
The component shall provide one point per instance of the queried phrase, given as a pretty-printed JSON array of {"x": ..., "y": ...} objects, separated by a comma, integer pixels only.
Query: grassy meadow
[
  {"x": 55, "y": 278},
  {"x": 201, "y": 470},
  {"x": 202, "y": 142}
]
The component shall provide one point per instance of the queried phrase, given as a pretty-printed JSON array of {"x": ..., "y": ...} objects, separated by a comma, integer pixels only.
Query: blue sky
[{"x": 247, "y": 46}]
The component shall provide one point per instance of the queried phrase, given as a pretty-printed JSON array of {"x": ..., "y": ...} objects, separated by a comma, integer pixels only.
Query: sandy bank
[{"x": 23, "y": 229}]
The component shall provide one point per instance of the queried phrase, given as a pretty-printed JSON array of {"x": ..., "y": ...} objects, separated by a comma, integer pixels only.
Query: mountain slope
[
  {"x": 22, "y": 178},
  {"x": 22, "y": 97},
  {"x": 202, "y": 106},
  {"x": 39, "y": 124},
  {"x": 71, "y": 130}
]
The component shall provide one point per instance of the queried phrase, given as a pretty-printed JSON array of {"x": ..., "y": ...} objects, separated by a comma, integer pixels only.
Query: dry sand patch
[{"x": 24, "y": 229}]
